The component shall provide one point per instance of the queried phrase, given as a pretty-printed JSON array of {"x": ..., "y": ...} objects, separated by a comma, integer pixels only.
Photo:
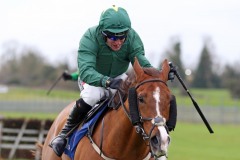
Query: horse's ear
[
  {"x": 137, "y": 68},
  {"x": 165, "y": 69}
]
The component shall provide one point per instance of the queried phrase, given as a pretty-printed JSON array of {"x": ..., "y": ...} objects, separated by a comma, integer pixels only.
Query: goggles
[{"x": 115, "y": 36}]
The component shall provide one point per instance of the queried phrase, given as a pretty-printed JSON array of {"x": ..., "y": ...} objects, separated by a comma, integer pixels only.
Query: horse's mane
[
  {"x": 131, "y": 79},
  {"x": 153, "y": 72}
]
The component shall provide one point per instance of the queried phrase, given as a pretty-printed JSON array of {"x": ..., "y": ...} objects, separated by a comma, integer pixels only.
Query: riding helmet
[{"x": 115, "y": 20}]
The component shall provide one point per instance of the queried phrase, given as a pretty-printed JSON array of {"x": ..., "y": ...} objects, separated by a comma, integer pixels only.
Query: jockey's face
[
  {"x": 115, "y": 40},
  {"x": 115, "y": 45}
]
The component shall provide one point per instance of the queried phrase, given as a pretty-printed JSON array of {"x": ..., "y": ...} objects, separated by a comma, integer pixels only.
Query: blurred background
[{"x": 39, "y": 41}]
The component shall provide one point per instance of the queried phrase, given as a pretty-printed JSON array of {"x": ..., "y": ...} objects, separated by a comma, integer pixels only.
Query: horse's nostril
[
  {"x": 154, "y": 140},
  {"x": 169, "y": 140}
]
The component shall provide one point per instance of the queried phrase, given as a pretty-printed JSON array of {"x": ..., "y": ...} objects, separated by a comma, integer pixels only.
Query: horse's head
[{"x": 151, "y": 100}]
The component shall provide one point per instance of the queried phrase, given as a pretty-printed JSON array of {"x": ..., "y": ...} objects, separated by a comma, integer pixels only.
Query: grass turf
[{"x": 193, "y": 142}]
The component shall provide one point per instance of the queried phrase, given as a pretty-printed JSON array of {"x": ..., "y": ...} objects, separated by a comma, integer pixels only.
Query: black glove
[
  {"x": 171, "y": 76},
  {"x": 172, "y": 72},
  {"x": 113, "y": 83},
  {"x": 66, "y": 76}
]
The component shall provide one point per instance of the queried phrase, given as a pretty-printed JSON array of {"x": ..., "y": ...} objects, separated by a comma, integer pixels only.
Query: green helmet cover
[{"x": 115, "y": 20}]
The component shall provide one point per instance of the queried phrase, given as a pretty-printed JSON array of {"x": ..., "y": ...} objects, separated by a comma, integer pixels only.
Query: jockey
[{"x": 104, "y": 54}]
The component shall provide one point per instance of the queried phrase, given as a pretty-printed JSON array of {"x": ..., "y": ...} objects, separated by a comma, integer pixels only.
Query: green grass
[
  {"x": 204, "y": 97},
  {"x": 207, "y": 97},
  {"x": 193, "y": 142},
  {"x": 29, "y": 115},
  {"x": 21, "y": 93}
]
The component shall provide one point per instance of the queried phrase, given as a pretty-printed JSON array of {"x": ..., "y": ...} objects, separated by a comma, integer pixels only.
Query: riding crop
[
  {"x": 54, "y": 84},
  {"x": 173, "y": 69}
]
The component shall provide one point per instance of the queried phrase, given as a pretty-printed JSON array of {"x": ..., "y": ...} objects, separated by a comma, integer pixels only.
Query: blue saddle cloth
[{"x": 77, "y": 135}]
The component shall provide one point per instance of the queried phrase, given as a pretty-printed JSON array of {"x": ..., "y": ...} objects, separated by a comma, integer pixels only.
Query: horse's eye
[{"x": 141, "y": 100}]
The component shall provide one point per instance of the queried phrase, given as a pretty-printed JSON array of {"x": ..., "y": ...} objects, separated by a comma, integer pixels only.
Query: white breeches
[{"x": 91, "y": 94}]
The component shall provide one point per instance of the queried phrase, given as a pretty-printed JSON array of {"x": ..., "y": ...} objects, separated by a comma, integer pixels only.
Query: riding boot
[
  {"x": 171, "y": 123},
  {"x": 77, "y": 114}
]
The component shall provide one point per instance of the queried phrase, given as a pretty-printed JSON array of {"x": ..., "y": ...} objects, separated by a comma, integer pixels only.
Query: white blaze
[
  {"x": 162, "y": 130},
  {"x": 156, "y": 95}
]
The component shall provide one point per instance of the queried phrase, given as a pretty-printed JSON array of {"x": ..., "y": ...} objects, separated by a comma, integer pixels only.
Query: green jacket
[{"x": 97, "y": 62}]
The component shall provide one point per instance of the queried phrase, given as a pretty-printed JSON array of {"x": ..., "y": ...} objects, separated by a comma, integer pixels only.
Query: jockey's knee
[
  {"x": 91, "y": 94},
  {"x": 91, "y": 100}
]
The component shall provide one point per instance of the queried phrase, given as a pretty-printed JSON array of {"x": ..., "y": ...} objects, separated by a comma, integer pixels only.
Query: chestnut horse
[{"x": 118, "y": 138}]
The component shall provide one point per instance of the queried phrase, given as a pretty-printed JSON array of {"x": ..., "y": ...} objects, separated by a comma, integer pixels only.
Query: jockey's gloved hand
[
  {"x": 66, "y": 76},
  {"x": 114, "y": 83},
  {"x": 171, "y": 74}
]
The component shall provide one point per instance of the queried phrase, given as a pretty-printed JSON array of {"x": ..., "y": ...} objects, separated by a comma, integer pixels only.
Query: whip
[
  {"x": 173, "y": 69},
  {"x": 55, "y": 83}
]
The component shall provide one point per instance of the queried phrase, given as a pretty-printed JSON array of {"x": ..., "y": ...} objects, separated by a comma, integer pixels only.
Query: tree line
[
  {"x": 208, "y": 73},
  {"x": 26, "y": 67}
]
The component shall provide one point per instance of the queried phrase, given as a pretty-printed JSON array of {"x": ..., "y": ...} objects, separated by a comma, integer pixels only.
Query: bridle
[
  {"x": 156, "y": 121},
  {"x": 150, "y": 80}
]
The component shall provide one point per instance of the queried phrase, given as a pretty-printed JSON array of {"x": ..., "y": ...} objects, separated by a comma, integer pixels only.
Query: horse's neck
[
  {"x": 122, "y": 129},
  {"x": 119, "y": 132}
]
